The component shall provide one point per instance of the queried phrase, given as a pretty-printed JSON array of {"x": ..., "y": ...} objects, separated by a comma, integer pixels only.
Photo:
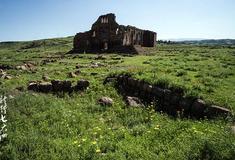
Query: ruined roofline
[
  {"x": 106, "y": 35},
  {"x": 108, "y": 14},
  {"x": 113, "y": 17}
]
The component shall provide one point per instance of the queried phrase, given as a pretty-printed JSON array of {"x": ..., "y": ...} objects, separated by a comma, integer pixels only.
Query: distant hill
[
  {"x": 53, "y": 42},
  {"x": 209, "y": 42}
]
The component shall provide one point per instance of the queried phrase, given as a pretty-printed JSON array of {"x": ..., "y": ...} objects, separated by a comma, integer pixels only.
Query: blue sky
[{"x": 37, "y": 19}]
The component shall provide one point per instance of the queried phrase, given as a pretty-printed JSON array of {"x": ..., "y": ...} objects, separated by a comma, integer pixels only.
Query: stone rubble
[
  {"x": 168, "y": 100},
  {"x": 58, "y": 86},
  {"x": 105, "y": 101}
]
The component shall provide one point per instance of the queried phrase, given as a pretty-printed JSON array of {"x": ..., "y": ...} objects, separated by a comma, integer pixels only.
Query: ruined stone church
[{"x": 106, "y": 35}]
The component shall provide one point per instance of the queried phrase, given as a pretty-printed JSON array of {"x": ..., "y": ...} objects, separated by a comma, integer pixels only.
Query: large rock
[
  {"x": 198, "y": 108},
  {"x": 131, "y": 82},
  {"x": 61, "y": 86},
  {"x": 134, "y": 101},
  {"x": 174, "y": 100},
  {"x": 145, "y": 87},
  {"x": 2, "y": 71},
  {"x": 8, "y": 77},
  {"x": 105, "y": 101},
  {"x": 82, "y": 84},
  {"x": 22, "y": 67},
  {"x": 96, "y": 64},
  {"x": 109, "y": 80},
  {"x": 139, "y": 84},
  {"x": 33, "y": 86},
  {"x": 158, "y": 92},
  {"x": 214, "y": 110},
  {"x": 2, "y": 74},
  {"x": 45, "y": 87},
  {"x": 29, "y": 65},
  {"x": 167, "y": 95},
  {"x": 100, "y": 57},
  {"x": 185, "y": 105},
  {"x": 149, "y": 89}
]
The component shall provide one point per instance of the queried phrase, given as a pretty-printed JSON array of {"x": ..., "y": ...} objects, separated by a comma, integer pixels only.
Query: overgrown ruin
[
  {"x": 171, "y": 101},
  {"x": 106, "y": 35}
]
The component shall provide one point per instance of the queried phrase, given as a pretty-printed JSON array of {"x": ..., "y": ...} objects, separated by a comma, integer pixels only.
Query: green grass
[{"x": 47, "y": 126}]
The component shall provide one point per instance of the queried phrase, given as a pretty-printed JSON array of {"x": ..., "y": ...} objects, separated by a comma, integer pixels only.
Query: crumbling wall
[
  {"x": 82, "y": 42},
  {"x": 106, "y": 35},
  {"x": 149, "y": 39},
  {"x": 172, "y": 102}
]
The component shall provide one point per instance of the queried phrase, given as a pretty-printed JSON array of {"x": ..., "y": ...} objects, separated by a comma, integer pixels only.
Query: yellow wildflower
[
  {"x": 97, "y": 150},
  {"x": 94, "y": 142}
]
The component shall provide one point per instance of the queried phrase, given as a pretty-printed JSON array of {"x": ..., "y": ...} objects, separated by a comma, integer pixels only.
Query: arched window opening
[
  {"x": 117, "y": 31},
  {"x": 93, "y": 34},
  {"x": 105, "y": 45}
]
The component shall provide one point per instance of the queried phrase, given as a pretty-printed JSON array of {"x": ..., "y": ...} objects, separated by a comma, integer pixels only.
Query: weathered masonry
[
  {"x": 106, "y": 35},
  {"x": 168, "y": 100}
]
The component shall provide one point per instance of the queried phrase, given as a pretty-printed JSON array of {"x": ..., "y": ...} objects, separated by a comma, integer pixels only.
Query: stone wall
[{"x": 166, "y": 100}]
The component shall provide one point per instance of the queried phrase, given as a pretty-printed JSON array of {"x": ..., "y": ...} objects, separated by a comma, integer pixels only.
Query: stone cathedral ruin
[{"x": 106, "y": 35}]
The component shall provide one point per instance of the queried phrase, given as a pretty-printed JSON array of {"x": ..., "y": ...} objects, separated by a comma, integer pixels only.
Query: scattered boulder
[
  {"x": 214, "y": 110},
  {"x": 100, "y": 57},
  {"x": 134, "y": 101},
  {"x": 22, "y": 67},
  {"x": 82, "y": 84},
  {"x": 33, "y": 86},
  {"x": 45, "y": 78},
  {"x": 198, "y": 108},
  {"x": 61, "y": 86},
  {"x": 46, "y": 61},
  {"x": 72, "y": 75},
  {"x": 26, "y": 66},
  {"x": 8, "y": 77},
  {"x": 29, "y": 65},
  {"x": 4, "y": 75},
  {"x": 105, "y": 101},
  {"x": 109, "y": 79},
  {"x": 45, "y": 87},
  {"x": 167, "y": 95},
  {"x": 58, "y": 86},
  {"x": 158, "y": 92},
  {"x": 96, "y": 64},
  {"x": 185, "y": 104},
  {"x": 1, "y": 71}
]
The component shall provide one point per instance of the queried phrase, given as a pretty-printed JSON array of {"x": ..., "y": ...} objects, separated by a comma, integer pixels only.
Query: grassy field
[{"x": 47, "y": 126}]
